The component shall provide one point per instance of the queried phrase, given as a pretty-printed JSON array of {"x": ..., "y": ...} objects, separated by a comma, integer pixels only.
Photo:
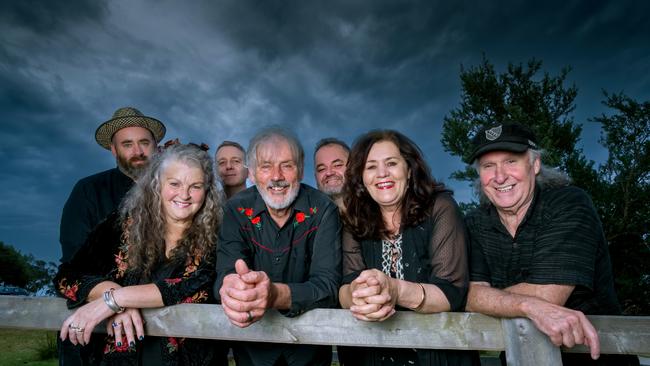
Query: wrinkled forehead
[{"x": 274, "y": 150}]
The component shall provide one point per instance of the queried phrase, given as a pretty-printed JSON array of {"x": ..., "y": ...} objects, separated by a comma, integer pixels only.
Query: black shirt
[
  {"x": 92, "y": 199},
  {"x": 305, "y": 254},
  {"x": 104, "y": 257},
  {"x": 433, "y": 252},
  {"x": 560, "y": 241}
]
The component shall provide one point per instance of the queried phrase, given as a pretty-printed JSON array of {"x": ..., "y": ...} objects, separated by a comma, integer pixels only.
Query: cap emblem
[{"x": 493, "y": 133}]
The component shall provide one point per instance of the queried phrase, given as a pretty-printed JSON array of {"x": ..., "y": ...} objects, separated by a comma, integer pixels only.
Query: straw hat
[{"x": 128, "y": 117}]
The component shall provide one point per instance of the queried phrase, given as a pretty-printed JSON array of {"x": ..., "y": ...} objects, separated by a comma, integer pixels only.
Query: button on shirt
[
  {"x": 305, "y": 254},
  {"x": 560, "y": 241}
]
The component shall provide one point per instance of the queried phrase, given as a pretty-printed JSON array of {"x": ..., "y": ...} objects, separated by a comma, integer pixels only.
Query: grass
[{"x": 27, "y": 347}]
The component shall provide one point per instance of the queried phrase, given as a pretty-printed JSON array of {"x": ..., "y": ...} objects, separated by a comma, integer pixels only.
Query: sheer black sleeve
[
  {"x": 448, "y": 251},
  {"x": 353, "y": 263}
]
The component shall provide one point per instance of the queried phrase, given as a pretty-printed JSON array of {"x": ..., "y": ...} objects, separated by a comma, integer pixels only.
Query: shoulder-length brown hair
[
  {"x": 144, "y": 223},
  {"x": 362, "y": 214}
]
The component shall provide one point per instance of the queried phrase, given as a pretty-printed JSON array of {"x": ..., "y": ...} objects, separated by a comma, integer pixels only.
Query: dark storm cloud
[
  {"x": 43, "y": 16},
  {"x": 220, "y": 70}
]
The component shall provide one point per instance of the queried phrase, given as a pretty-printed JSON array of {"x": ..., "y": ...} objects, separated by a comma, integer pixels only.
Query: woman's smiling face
[
  {"x": 182, "y": 191},
  {"x": 385, "y": 175}
]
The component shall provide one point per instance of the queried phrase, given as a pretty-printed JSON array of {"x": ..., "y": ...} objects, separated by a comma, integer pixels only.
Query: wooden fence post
[{"x": 527, "y": 346}]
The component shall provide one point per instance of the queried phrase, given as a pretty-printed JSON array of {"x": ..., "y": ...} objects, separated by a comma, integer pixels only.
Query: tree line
[
  {"x": 25, "y": 271},
  {"x": 619, "y": 187}
]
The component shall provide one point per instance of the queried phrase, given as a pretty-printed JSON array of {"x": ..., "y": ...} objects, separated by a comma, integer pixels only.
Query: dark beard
[{"x": 127, "y": 167}]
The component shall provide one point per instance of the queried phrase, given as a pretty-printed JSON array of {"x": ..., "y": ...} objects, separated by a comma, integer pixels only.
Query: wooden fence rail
[{"x": 524, "y": 344}]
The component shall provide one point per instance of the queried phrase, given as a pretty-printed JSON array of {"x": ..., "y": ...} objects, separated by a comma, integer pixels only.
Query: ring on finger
[
  {"x": 115, "y": 324},
  {"x": 249, "y": 317}
]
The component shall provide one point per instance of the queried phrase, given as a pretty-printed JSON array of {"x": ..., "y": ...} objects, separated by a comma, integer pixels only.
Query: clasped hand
[
  {"x": 374, "y": 296},
  {"x": 245, "y": 295}
]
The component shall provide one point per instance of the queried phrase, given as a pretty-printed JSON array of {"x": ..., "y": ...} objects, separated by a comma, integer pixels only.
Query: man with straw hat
[{"x": 132, "y": 138}]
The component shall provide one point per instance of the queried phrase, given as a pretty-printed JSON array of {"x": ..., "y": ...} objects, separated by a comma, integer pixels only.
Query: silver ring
[
  {"x": 79, "y": 330},
  {"x": 250, "y": 317}
]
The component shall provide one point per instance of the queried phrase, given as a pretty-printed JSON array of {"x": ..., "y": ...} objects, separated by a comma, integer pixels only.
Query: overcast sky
[{"x": 215, "y": 70}]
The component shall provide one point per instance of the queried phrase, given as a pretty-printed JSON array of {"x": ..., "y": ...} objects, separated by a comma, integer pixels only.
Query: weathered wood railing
[{"x": 524, "y": 344}]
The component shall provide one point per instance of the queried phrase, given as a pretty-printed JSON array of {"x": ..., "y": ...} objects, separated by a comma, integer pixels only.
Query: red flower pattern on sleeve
[
  {"x": 69, "y": 290},
  {"x": 173, "y": 281}
]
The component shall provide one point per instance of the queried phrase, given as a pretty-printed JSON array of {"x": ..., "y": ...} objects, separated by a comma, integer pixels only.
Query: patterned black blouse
[
  {"x": 104, "y": 258},
  {"x": 433, "y": 252}
]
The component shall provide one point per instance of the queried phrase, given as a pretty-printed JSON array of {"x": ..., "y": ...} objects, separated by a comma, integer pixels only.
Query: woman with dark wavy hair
[
  {"x": 157, "y": 251},
  {"x": 404, "y": 245}
]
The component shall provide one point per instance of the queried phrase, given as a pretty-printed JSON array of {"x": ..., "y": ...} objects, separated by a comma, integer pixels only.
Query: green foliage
[
  {"x": 25, "y": 271},
  {"x": 519, "y": 95},
  {"x": 623, "y": 194},
  {"x": 14, "y": 268},
  {"x": 619, "y": 188},
  {"x": 25, "y": 347},
  {"x": 47, "y": 349}
]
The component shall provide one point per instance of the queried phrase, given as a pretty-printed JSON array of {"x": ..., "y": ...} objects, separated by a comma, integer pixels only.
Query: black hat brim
[{"x": 498, "y": 146}]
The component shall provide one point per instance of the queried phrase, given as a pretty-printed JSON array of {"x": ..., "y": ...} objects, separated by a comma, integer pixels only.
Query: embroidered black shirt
[{"x": 305, "y": 254}]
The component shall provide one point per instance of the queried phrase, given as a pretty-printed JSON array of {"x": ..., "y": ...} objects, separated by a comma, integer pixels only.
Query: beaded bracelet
[{"x": 110, "y": 301}]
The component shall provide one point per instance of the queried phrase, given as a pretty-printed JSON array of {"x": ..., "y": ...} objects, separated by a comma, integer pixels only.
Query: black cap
[{"x": 505, "y": 137}]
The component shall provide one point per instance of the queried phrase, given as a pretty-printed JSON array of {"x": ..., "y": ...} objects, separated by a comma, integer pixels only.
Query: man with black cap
[
  {"x": 537, "y": 245},
  {"x": 132, "y": 138}
]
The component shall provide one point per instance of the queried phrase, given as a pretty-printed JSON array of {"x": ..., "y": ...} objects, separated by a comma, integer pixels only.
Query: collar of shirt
[
  {"x": 531, "y": 213},
  {"x": 300, "y": 204}
]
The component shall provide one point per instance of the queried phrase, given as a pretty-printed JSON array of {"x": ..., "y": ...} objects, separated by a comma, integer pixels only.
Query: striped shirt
[{"x": 559, "y": 241}]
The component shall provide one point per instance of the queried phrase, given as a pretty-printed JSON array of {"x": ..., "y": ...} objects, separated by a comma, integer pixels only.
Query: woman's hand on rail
[
  {"x": 128, "y": 324},
  {"x": 79, "y": 326},
  {"x": 374, "y": 296}
]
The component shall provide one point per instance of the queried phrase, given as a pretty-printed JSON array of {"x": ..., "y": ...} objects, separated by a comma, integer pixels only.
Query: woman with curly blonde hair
[{"x": 158, "y": 250}]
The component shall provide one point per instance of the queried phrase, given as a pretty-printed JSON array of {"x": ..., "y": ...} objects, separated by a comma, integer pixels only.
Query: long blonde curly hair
[{"x": 142, "y": 217}]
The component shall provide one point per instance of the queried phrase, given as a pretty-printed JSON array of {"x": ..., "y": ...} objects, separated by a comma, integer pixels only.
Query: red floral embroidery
[
  {"x": 301, "y": 217},
  {"x": 124, "y": 347},
  {"x": 173, "y": 281},
  {"x": 122, "y": 264},
  {"x": 199, "y": 297},
  {"x": 248, "y": 212},
  {"x": 191, "y": 266},
  {"x": 69, "y": 291},
  {"x": 112, "y": 347},
  {"x": 172, "y": 344}
]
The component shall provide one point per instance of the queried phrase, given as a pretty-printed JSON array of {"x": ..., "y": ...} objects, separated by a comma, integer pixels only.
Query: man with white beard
[
  {"x": 279, "y": 248},
  {"x": 330, "y": 162}
]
